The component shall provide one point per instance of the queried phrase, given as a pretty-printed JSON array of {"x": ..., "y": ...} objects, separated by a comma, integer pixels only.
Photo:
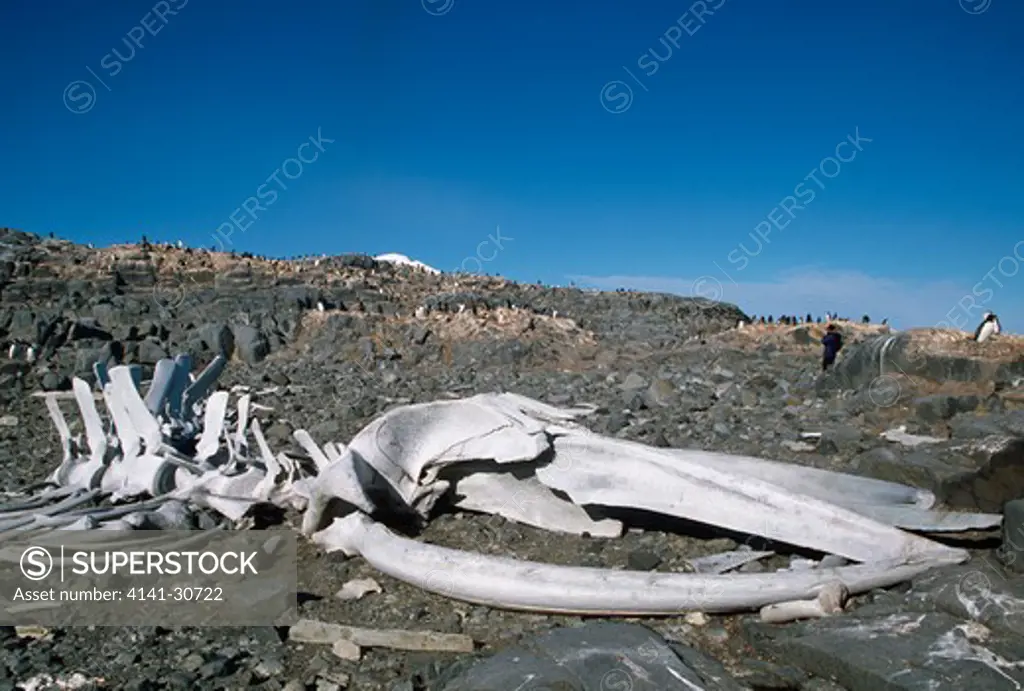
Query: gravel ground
[{"x": 663, "y": 370}]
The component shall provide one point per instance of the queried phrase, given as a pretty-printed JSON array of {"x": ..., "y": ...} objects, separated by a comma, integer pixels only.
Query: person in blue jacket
[{"x": 833, "y": 343}]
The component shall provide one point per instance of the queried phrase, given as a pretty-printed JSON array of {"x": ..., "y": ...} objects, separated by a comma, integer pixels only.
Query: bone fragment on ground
[
  {"x": 312, "y": 631},
  {"x": 830, "y": 600},
  {"x": 346, "y": 650},
  {"x": 357, "y": 588},
  {"x": 900, "y": 435}
]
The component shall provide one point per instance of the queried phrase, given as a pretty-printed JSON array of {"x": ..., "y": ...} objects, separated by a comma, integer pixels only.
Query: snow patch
[{"x": 395, "y": 258}]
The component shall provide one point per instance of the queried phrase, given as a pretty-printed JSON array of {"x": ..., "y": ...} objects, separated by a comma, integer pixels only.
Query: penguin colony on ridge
[
  {"x": 989, "y": 326},
  {"x": 792, "y": 320}
]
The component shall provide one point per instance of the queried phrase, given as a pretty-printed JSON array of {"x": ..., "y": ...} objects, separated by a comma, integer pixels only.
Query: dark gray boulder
[
  {"x": 938, "y": 407},
  {"x": 252, "y": 345},
  {"x": 892, "y": 648},
  {"x": 600, "y": 656}
]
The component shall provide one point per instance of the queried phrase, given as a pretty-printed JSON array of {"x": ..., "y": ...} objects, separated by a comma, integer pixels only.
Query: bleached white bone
[
  {"x": 163, "y": 377},
  {"x": 726, "y": 561},
  {"x": 310, "y": 447},
  {"x": 900, "y": 435},
  {"x": 127, "y": 435},
  {"x": 333, "y": 450},
  {"x": 518, "y": 404},
  {"x": 528, "y": 501},
  {"x": 73, "y": 471},
  {"x": 408, "y": 446},
  {"x": 118, "y": 525},
  {"x": 532, "y": 586},
  {"x": 894, "y": 504},
  {"x": 115, "y": 476},
  {"x": 83, "y": 523},
  {"x": 233, "y": 456},
  {"x": 290, "y": 467},
  {"x": 231, "y": 496},
  {"x": 84, "y": 474},
  {"x": 149, "y": 474},
  {"x": 243, "y": 420},
  {"x": 142, "y": 420},
  {"x": 94, "y": 434},
  {"x": 613, "y": 472},
  {"x": 928, "y": 520},
  {"x": 57, "y": 416},
  {"x": 63, "y": 511},
  {"x": 22, "y": 518},
  {"x": 213, "y": 425},
  {"x": 269, "y": 482},
  {"x": 339, "y": 480},
  {"x": 29, "y": 503},
  {"x": 830, "y": 600},
  {"x": 838, "y": 488}
]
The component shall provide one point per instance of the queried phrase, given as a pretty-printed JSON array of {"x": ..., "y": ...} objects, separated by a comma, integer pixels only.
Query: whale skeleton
[{"x": 172, "y": 451}]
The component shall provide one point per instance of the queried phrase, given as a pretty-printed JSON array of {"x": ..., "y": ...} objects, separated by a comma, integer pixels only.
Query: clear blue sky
[{"x": 450, "y": 118}]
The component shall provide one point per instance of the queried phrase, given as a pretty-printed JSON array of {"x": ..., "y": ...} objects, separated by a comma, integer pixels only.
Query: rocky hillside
[{"x": 336, "y": 341}]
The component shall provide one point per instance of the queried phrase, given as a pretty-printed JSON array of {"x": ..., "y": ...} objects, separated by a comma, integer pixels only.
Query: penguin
[
  {"x": 988, "y": 326},
  {"x": 320, "y": 306},
  {"x": 30, "y": 355}
]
